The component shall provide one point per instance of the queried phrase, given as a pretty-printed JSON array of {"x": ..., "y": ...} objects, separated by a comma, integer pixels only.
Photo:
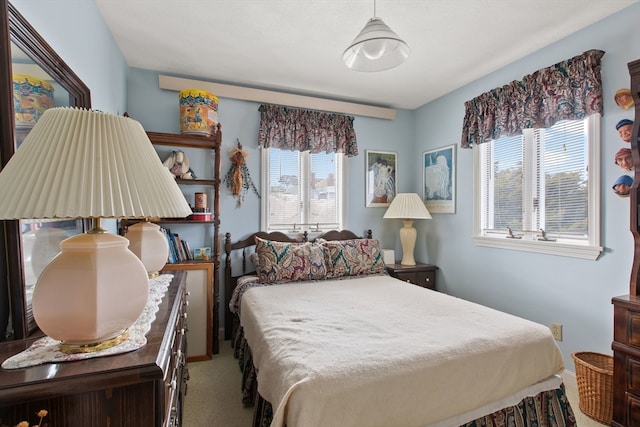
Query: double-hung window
[
  {"x": 539, "y": 191},
  {"x": 302, "y": 190}
]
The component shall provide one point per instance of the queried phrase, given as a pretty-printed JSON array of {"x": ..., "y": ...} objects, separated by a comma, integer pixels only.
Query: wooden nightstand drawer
[{"x": 420, "y": 274}]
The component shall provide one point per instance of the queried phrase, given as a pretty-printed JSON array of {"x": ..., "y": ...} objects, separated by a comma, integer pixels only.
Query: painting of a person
[
  {"x": 384, "y": 189},
  {"x": 438, "y": 182}
]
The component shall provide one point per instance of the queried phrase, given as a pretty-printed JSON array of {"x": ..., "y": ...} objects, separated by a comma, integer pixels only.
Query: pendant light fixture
[{"x": 376, "y": 48}]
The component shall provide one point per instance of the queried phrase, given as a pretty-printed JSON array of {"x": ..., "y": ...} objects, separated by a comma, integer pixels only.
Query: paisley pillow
[
  {"x": 353, "y": 257},
  {"x": 280, "y": 262}
]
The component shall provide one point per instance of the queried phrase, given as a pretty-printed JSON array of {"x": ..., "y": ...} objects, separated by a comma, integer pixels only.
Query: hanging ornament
[{"x": 238, "y": 178}]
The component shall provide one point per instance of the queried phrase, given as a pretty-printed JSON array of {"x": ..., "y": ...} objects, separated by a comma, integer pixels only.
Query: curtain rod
[{"x": 273, "y": 97}]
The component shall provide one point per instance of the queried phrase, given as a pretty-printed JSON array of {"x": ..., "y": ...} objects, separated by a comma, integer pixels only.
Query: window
[
  {"x": 301, "y": 190},
  {"x": 539, "y": 191}
]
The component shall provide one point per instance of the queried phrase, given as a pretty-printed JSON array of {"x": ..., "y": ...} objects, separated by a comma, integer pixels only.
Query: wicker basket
[{"x": 594, "y": 375}]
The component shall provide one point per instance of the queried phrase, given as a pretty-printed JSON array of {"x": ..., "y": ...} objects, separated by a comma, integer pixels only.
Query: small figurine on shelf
[
  {"x": 622, "y": 186},
  {"x": 238, "y": 178},
  {"x": 625, "y": 129},
  {"x": 178, "y": 165},
  {"x": 624, "y": 159}
]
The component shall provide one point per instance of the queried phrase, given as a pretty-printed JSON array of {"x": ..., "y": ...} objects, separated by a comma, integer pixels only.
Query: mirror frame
[{"x": 15, "y": 28}]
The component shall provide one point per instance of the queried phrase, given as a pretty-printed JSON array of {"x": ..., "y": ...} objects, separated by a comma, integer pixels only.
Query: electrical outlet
[{"x": 556, "y": 331}]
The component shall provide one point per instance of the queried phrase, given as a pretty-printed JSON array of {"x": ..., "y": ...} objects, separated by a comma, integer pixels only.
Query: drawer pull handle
[{"x": 426, "y": 279}]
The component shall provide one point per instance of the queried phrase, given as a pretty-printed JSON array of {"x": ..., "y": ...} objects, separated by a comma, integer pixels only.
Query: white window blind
[
  {"x": 540, "y": 180},
  {"x": 303, "y": 191}
]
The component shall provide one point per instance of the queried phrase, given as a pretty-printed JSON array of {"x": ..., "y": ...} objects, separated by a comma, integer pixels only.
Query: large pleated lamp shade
[
  {"x": 407, "y": 207},
  {"x": 78, "y": 163},
  {"x": 376, "y": 48}
]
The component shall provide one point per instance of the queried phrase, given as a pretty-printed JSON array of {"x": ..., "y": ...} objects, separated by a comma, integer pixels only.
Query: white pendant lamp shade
[
  {"x": 78, "y": 163},
  {"x": 376, "y": 48}
]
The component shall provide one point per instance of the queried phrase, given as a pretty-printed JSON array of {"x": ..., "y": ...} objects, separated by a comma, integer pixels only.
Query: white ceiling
[{"x": 296, "y": 45}]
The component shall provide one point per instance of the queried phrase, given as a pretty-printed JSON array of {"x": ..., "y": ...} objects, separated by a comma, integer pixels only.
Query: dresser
[
  {"x": 626, "y": 308},
  {"x": 145, "y": 387},
  {"x": 420, "y": 274},
  {"x": 626, "y": 351}
]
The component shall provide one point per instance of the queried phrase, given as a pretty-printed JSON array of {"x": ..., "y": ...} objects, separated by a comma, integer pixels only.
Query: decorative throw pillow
[
  {"x": 353, "y": 257},
  {"x": 289, "y": 262}
]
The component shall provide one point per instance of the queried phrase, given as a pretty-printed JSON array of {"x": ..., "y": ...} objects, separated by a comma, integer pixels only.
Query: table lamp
[
  {"x": 78, "y": 163},
  {"x": 408, "y": 207}
]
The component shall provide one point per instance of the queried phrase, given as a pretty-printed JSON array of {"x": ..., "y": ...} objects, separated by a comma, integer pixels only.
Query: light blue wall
[
  {"x": 543, "y": 288},
  {"x": 158, "y": 110},
  {"x": 576, "y": 293},
  {"x": 77, "y": 32}
]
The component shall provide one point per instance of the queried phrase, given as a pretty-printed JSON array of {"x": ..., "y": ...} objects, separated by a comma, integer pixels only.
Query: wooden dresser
[
  {"x": 145, "y": 387},
  {"x": 626, "y": 309}
]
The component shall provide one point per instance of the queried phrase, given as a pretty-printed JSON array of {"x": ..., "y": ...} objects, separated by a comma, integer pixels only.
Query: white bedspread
[{"x": 376, "y": 351}]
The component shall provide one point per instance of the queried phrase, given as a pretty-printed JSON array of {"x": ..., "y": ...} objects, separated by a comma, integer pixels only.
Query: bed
[{"x": 325, "y": 337}]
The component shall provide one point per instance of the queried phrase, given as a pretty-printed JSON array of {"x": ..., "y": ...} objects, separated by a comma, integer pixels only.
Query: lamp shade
[
  {"x": 376, "y": 48},
  {"x": 407, "y": 206},
  {"x": 79, "y": 163}
]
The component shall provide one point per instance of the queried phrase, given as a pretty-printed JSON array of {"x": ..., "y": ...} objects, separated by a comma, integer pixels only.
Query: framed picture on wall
[
  {"x": 439, "y": 186},
  {"x": 381, "y": 178}
]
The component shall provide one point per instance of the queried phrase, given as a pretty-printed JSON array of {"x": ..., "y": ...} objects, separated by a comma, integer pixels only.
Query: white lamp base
[
  {"x": 150, "y": 245},
  {"x": 92, "y": 291},
  {"x": 408, "y": 236}
]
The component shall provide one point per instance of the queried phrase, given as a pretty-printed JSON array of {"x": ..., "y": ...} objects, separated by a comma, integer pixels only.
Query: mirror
[{"x": 33, "y": 77}]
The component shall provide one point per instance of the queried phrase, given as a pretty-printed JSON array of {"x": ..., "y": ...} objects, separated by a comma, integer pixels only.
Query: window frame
[
  {"x": 588, "y": 249},
  {"x": 341, "y": 199}
]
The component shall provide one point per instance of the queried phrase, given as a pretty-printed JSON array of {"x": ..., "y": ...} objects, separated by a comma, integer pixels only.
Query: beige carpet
[{"x": 214, "y": 399}]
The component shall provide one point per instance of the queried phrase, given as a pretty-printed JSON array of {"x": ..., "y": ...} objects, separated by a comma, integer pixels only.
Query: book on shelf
[{"x": 179, "y": 247}]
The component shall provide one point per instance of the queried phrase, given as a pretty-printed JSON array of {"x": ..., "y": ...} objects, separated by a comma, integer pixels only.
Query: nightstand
[{"x": 420, "y": 274}]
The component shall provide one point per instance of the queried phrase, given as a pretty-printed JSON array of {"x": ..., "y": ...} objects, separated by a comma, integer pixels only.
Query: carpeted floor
[{"x": 214, "y": 399}]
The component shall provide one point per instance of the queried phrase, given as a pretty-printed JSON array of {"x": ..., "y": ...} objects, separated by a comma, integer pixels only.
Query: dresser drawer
[
  {"x": 629, "y": 333},
  {"x": 424, "y": 279},
  {"x": 633, "y": 410},
  {"x": 420, "y": 274}
]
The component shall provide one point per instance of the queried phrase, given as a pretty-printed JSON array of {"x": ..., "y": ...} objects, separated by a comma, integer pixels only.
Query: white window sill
[{"x": 584, "y": 251}]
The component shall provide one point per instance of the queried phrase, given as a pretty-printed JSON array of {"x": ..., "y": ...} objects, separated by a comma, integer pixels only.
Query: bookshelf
[{"x": 195, "y": 268}]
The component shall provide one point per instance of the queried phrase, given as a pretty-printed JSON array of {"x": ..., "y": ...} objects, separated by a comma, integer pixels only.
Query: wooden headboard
[{"x": 246, "y": 244}]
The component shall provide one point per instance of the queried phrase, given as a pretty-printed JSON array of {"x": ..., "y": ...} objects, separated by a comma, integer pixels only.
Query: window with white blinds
[
  {"x": 301, "y": 190},
  {"x": 540, "y": 187}
]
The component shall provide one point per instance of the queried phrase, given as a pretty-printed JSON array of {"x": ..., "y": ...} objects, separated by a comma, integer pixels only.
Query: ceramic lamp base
[
  {"x": 408, "y": 235},
  {"x": 92, "y": 291},
  {"x": 150, "y": 245}
]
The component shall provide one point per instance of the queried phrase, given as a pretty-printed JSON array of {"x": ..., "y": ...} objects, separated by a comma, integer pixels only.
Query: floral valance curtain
[
  {"x": 568, "y": 90},
  {"x": 306, "y": 130}
]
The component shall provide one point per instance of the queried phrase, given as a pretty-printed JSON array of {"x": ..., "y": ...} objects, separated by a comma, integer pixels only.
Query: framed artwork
[
  {"x": 440, "y": 179},
  {"x": 381, "y": 178}
]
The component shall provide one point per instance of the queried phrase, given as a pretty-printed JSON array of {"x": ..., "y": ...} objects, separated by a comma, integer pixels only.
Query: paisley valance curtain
[
  {"x": 568, "y": 90},
  {"x": 306, "y": 130}
]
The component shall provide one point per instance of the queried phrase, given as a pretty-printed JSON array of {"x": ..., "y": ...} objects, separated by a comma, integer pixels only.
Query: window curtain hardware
[
  {"x": 568, "y": 90},
  {"x": 306, "y": 130}
]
